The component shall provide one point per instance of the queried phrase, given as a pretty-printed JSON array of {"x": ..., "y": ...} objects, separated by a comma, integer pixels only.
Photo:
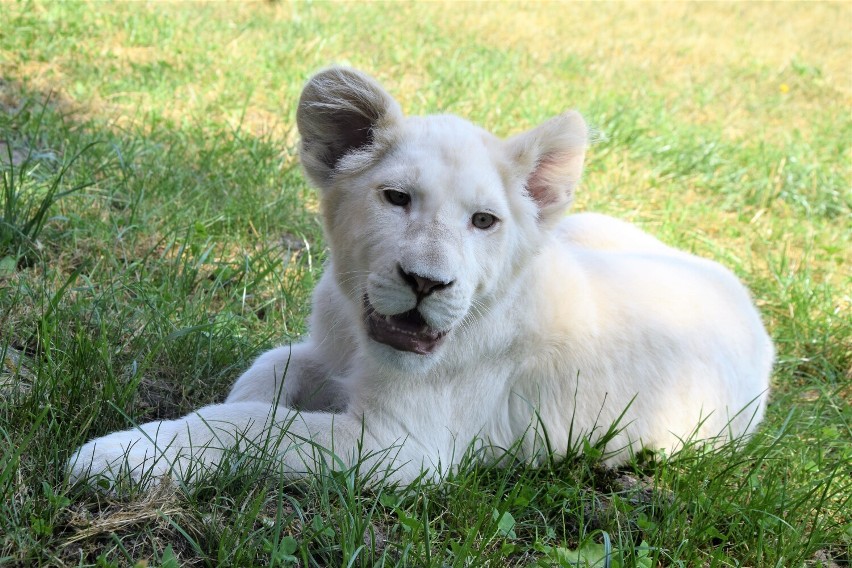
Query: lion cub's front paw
[{"x": 122, "y": 456}]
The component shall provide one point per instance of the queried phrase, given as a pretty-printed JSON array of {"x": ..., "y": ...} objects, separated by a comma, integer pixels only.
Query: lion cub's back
[
  {"x": 602, "y": 232},
  {"x": 673, "y": 336}
]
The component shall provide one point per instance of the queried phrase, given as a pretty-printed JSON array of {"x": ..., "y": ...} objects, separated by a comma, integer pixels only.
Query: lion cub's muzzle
[
  {"x": 421, "y": 285},
  {"x": 407, "y": 331}
]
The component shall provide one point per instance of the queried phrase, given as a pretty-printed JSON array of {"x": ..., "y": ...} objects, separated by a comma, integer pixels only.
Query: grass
[{"x": 148, "y": 159}]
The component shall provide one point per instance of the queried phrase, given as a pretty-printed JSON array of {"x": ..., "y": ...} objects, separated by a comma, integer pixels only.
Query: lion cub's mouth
[{"x": 407, "y": 331}]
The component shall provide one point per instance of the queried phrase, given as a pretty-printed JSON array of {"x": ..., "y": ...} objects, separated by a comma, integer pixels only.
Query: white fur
[{"x": 555, "y": 324}]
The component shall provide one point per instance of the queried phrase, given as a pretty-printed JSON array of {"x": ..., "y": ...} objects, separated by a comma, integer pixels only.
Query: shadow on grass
[{"x": 143, "y": 269}]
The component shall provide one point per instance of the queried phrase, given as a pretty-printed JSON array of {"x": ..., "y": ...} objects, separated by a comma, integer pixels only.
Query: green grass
[{"x": 178, "y": 239}]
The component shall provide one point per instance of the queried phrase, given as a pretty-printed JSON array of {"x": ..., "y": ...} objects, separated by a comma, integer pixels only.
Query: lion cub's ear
[
  {"x": 342, "y": 113},
  {"x": 550, "y": 160}
]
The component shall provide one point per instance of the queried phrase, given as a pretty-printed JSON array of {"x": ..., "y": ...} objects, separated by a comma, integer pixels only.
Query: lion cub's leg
[
  {"x": 292, "y": 376},
  {"x": 299, "y": 442}
]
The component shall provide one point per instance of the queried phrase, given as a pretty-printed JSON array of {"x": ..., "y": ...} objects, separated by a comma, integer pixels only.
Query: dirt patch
[{"x": 11, "y": 155}]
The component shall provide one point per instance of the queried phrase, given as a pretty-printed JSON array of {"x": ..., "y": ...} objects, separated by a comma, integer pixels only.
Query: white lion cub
[{"x": 461, "y": 307}]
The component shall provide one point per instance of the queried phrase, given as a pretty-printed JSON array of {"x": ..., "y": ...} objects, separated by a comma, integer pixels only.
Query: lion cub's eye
[
  {"x": 482, "y": 220},
  {"x": 398, "y": 198}
]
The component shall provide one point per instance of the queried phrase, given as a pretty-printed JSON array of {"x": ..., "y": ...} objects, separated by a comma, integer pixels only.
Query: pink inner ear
[{"x": 543, "y": 184}]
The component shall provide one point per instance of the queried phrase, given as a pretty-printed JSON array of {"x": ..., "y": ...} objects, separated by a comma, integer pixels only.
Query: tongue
[{"x": 407, "y": 331}]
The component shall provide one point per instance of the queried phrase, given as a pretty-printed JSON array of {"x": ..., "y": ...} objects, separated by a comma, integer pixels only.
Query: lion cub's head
[{"x": 430, "y": 219}]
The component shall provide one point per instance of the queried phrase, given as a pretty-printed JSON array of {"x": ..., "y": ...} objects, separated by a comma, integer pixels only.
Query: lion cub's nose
[{"x": 422, "y": 285}]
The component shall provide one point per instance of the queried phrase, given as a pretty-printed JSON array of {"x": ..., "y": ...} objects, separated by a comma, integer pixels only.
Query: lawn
[{"x": 157, "y": 234}]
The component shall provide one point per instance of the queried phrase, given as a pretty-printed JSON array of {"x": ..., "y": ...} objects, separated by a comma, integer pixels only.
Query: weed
[{"x": 33, "y": 182}]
